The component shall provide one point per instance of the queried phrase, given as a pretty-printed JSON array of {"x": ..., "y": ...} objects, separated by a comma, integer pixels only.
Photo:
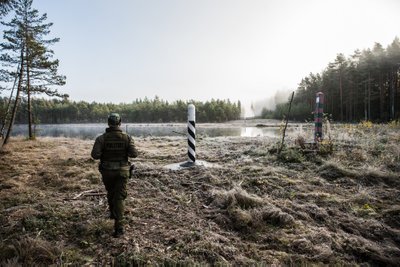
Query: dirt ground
[{"x": 338, "y": 205}]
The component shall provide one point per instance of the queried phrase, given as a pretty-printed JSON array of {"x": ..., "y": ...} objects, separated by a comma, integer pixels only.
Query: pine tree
[
  {"x": 38, "y": 71},
  {"x": 13, "y": 50},
  {"x": 6, "y": 6},
  {"x": 41, "y": 70}
]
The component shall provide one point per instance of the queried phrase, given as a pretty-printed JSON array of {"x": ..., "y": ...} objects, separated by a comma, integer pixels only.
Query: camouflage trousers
[{"x": 115, "y": 183}]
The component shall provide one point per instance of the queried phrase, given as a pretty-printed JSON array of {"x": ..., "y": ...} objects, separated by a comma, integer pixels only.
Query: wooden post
[{"x": 286, "y": 123}]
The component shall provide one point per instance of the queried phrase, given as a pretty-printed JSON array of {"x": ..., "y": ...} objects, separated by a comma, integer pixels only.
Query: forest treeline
[
  {"x": 363, "y": 86},
  {"x": 140, "y": 110}
]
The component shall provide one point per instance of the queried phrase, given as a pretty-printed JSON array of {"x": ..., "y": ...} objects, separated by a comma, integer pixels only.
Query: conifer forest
[{"x": 362, "y": 86}]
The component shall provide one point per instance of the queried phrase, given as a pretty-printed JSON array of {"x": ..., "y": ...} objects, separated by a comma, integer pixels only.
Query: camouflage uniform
[{"x": 113, "y": 149}]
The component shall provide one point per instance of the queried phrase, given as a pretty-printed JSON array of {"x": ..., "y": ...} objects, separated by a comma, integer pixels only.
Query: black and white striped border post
[{"x": 191, "y": 133}]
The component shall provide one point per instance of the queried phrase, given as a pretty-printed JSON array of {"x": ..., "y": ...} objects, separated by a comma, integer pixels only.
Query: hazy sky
[{"x": 116, "y": 51}]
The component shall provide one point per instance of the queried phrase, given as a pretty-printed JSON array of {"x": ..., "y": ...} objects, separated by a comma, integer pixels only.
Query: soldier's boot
[{"x": 118, "y": 230}]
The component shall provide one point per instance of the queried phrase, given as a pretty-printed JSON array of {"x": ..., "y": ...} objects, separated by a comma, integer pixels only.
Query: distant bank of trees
[
  {"x": 140, "y": 110},
  {"x": 364, "y": 86}
]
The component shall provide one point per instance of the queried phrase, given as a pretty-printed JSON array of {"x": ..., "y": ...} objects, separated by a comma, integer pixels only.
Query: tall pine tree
[
  {"x": 38, "y": 71},
  {"x": 6, "y": 6}
]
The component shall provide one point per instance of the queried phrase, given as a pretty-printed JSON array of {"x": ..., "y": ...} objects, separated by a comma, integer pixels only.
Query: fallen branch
[
  {"x": 18, "y": 207},
  {"x": 89, "y": 193},
  {"x": 95, "y": 194}
]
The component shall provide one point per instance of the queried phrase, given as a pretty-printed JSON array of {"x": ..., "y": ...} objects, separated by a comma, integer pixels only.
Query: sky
[{"x": 117, "y": 51}]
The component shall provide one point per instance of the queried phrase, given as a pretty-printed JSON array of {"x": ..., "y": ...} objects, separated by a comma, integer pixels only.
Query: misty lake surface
[{"x": 92, "y": 130}]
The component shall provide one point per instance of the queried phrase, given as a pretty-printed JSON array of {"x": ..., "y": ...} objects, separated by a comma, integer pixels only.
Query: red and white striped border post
[{"x": 318, "y": 116}]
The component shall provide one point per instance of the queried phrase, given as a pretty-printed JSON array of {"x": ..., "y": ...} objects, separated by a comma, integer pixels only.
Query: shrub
[{"x": 291, "y": 155}]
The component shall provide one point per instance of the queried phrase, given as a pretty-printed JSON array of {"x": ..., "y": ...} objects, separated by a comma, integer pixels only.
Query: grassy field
[{"x": 339, "y": 204}]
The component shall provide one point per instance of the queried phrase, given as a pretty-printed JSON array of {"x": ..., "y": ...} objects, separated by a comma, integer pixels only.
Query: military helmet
[{"x": 114, "y": 119}]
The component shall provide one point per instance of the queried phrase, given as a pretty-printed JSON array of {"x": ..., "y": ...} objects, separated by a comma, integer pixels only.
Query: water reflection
[
  {"x": 90, "y": 131},
  {"x": 254, "y": 132}
]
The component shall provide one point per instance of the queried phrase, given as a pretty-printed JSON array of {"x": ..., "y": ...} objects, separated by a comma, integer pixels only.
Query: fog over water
[{"x": 91, "y": 130}]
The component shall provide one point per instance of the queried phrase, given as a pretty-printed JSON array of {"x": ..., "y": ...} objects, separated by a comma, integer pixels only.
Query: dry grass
[
  {"x": 251, "y": 208},
  {"x": 31, "y": 251}
]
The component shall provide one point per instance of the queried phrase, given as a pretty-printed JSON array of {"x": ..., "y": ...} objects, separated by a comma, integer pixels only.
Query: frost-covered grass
[{"x": 334, "y": 206}]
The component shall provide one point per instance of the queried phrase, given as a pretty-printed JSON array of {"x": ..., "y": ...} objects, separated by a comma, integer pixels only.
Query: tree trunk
[
  {"x": 28, "y": 89},
  {"x": 16, "y": 103},
  {"x": 365, "y": 102},
  {"x": 369, "y": 95},
  {"x": 397, "y": 87},
  {"x": 28, "y": 83},
  {"x": 381, "y": 99},
  {"x": 351, "y": 103},
  {"x": 4, "y": 122},
  {"x": 341, "y": 95},
  {"x": 392, "y": 93},
  {"x": 332, "y": 106}
]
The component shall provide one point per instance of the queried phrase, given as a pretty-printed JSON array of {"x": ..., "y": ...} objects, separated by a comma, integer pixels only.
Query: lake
[{"x": 91, "y": 130}]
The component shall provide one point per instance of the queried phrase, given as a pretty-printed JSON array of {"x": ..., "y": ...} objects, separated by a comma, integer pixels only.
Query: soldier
[{"x": 113, "y": 149}]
